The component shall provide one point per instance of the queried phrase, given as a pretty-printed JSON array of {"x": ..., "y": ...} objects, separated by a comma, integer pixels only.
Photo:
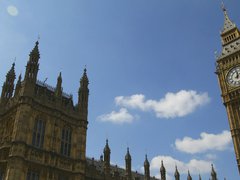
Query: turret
[
  {"x": 176, "y": 174},
  {"x": 18, "y": 86},
  {"x": 8, "y": 85},
  {"x": 31, "y": 72},
  {"x": 189, "y": 177},
  {"x": 83, "y": 94},
  {"x": 82, "y": 108},
  {"x": 213, "y": 174},
  {"x": 32, "y": 65},
  {"x": 107, "y": 153},
  {"x": 163, "y": 172},
  {"x": 146, "y": 169},
  {"x": 128, "y": 162},
  {"x": 58, "y": 90}
]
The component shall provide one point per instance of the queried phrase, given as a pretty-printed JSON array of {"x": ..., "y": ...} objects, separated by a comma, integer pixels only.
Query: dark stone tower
[
  {"x": 83, "y": 94},
  {"x": 128, "y": 162},
  {"x": 162, "y": 171},
  {"x": 228, "y": 72},
  {"x": 107, "y": 153},
  {"x": 146, "y": 169}
]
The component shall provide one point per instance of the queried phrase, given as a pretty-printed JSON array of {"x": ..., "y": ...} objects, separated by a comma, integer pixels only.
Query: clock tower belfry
[{"x": 228, "y": 72}]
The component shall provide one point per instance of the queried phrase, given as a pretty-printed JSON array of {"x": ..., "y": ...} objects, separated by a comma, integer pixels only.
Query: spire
[
  {"x": 146, "y": 162},
  {"x": 162, "y": 171},
  {"x": 32, "y": 65},
  {"x": 213, "y": 174},
  {"x": 11, "y": 72},
  {"x": 128, "y": 156},
  {"x": 107, "y": 153},
  {"x": 200, "y": 178},
  {"x": 35, "y": 52},
  {"x": 128, "y": 161},
  {"x": 84, "y": 80},
  {"x": 176, "y": 174},
  {"x": 58, "y": 90},
  {"x": 83, "y": 94},
  {"x": 8, "y": 86},
  {"x": 228, "y": 24},
  {"x": 107, "y": 149},
  {"x": 189, "y": 177},
  {"x": 18, "y": 85},
  {"x": 146, "y": 169}
]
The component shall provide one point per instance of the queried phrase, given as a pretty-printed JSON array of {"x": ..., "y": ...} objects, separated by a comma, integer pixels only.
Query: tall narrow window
[
  {"x": 1, "y": 175},
  {"x": 32, "y": 175},
  {"x": 66, "y": 141},
  {"x": 38, "y": 134}
]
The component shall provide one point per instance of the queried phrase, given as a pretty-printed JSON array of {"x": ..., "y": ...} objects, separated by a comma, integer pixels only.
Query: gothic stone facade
[{"x": 43, "y": 134}]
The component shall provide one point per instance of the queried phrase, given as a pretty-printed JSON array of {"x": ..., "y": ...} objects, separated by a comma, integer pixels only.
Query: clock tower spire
[{"x": 228, "y": 72}]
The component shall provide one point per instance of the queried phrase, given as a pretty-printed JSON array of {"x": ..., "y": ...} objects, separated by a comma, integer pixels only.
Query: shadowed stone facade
[{"x": 42, "y": 134}]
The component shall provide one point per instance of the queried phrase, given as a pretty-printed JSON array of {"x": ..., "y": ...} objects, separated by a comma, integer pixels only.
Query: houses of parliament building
[{"x": 43, "y": 134}]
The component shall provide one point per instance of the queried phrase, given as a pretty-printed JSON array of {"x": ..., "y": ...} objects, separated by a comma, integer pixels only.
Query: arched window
[
  {"x": 38, "y": 133},
  {"x": 66, "y": 141}
]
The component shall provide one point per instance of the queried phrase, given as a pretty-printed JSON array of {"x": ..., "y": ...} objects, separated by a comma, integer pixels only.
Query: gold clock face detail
[{"x": 233, "y": 77}]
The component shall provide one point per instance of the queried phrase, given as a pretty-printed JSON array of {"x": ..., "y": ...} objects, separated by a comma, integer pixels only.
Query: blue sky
[{"x": 151, "y": 70}]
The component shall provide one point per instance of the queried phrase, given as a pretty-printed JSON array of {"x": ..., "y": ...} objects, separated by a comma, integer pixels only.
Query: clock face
[{"x": 233, "y": 77}]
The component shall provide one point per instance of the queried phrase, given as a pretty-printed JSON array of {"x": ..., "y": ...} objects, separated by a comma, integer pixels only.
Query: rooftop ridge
[
  {"x": 98, "y": 163},
  {"x": 51, "y": 88}
]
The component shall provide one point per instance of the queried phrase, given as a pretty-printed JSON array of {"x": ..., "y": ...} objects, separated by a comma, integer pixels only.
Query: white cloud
[
  {"x": 172, "y": 105},
  {"x": 12, "y": 10},
  {"x": 211, "y": 156},
  {"x": 194, "y": 166},
  {"x": 205, "y": 143},
  {"x": 123, "y": 116}
]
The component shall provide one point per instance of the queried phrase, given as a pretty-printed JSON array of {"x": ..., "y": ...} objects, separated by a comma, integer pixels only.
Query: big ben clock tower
[{"x": 228, "y": 72}]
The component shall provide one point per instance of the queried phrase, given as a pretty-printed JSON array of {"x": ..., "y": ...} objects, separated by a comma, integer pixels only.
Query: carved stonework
[{"x": 20, "y": 150}]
